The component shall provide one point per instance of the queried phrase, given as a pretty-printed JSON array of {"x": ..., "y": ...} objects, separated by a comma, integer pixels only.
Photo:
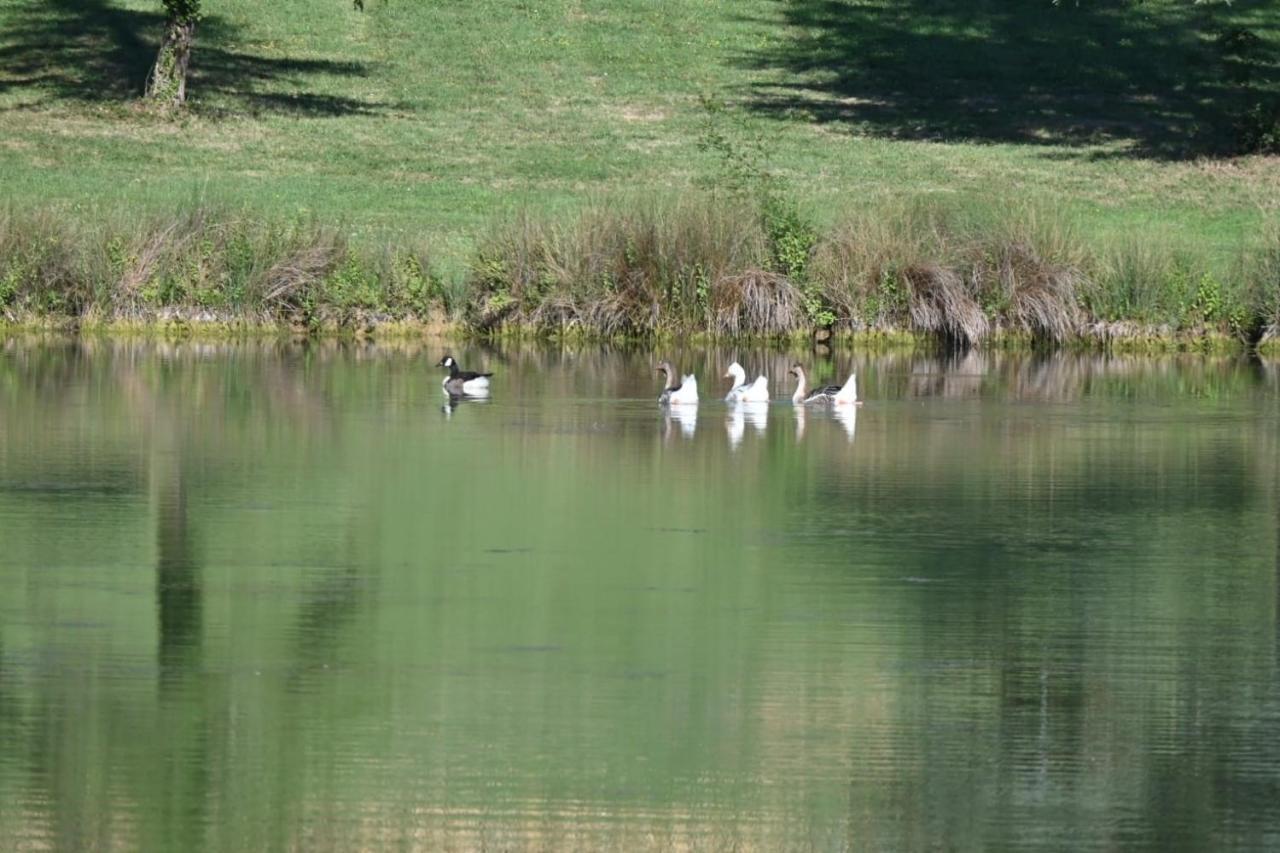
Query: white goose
[
  {"x": 684, "y": 392},
  {"x": 741, "y": 392},
  {"x": 840, "y": 395}
]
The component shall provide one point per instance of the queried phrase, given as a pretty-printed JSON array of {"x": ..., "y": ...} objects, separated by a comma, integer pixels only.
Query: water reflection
[
  {"x": 740, "y": 414},
  {"x": 179, "y": 599},
  {"x": 453, "y": 401},
  {"x": 261, "y": 597},
  {"x": 847, "y": 417},
  {"x": 329, "y": 605},
  {"x": 684, "y": 416}
]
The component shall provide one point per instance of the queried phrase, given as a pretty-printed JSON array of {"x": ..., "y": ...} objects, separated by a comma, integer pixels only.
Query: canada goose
[
  {"x": 463, "y": 381},
  {"x": 683, "y": 392}
]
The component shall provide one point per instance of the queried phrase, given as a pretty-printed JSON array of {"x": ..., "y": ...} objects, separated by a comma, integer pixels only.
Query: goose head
[
  {"x": 665, "y": 368},
  {"x": 448, "y": 362},
  {"x": 737, "y": 374}
]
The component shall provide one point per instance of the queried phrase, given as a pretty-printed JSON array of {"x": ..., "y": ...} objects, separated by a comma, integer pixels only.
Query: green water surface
[{"x": 273, "y": 597}]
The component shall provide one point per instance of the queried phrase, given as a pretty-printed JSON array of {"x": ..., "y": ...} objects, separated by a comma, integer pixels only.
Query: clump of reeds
[
  {"x": 861, "y": 264},
  {"x": 1132, "y": 280},
  {"x": 206, "y": 261},
  {"x": 1262, "y": 272},
  {"x": 940, "y": 302},
  {"x": 755, "y": 302},
  {"x": 939, "y": 272},
  {"x": 631, "y": 270},
  {"x": 41, "y": 265},
  {"x": 698, "y": 263},
  {"x": 1029, "y": 270}
]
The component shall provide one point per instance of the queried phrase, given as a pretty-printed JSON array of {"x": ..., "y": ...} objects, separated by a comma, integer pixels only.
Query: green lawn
[{"x": 433, "y": 118}]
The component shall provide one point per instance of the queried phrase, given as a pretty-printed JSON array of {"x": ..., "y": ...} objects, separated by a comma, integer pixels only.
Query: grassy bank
[
  {"x": 988, "y": 171},
  {"x": 432, "y": 118},
  {"x": 701, "y": 264}
]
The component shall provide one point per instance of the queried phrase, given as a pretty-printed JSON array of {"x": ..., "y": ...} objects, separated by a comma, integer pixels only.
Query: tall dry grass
[
  {"x": 698, "y": 263},
  {"x": 1262, "y": 274},
  {"x": 948, "y": 273},
  {"x": 623, "y": 270},
  {"x": 205, "y": 260}
]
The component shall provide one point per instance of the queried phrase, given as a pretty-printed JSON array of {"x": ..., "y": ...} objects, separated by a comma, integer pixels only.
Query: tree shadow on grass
[
  {"x": 91, "y": 51},
  {"x": 1159, "y": 79}
]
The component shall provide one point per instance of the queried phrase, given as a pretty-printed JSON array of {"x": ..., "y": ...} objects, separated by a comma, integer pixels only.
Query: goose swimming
[
  {"x": 461, "y": 381},
  {"x": 684, "y": 392},
  {"x": 741, "y": 392},
  {"x": 841, "y": 395}
]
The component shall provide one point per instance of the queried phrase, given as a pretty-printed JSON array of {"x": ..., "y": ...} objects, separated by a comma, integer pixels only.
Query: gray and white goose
[
  {"x": 682, "y": 392},
  {"x": 840, "y": 395}
]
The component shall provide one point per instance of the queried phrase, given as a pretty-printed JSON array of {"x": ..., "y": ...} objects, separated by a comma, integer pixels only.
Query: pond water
[{"x": 280, "y": 597}]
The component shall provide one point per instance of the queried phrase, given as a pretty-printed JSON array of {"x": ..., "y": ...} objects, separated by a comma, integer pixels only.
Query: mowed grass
[{"x": 436, "y": 119}]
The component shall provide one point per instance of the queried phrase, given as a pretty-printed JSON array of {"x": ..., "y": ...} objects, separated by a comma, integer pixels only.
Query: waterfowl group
[
  {"x": 683, "y": 390},
  {"x": 686, "y": 390}
]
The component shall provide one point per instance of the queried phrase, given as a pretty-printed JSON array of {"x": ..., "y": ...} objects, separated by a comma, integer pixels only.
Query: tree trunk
[{"x": 167, "y": 82}]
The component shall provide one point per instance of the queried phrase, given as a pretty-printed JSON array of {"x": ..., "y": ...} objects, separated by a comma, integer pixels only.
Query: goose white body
[
  {"x": 756, "y": 392},
  {"x": 741, "y": 392},
  {"x": 474, "y": 387},
  {"x": 677, "y": 394},
  {"x": 848, "y": 393},
  {"x": 686, "y": 394}
]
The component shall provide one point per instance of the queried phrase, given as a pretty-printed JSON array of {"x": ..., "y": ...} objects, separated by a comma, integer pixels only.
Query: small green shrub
[
  {"x": 351, "y": 284},
  {"x": 1258, "y": 127}
]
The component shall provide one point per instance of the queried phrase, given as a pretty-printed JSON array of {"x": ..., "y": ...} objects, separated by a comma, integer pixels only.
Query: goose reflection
[
  {"x": 686, "y": 416},
  {"x": 741, "y": 414},
  {"x": 453, "y": 401},
  {"x": 848, "y": 418},
  {"x": 735, "y": 424},
  {"x": 801, "y": 414}
]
